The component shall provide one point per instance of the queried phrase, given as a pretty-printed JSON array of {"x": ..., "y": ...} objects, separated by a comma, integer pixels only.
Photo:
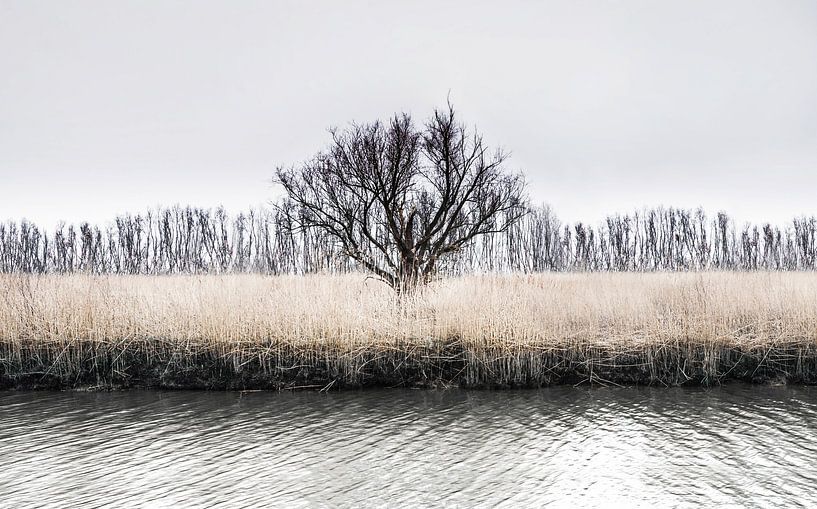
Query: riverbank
[{"x": 245, "y": 332}]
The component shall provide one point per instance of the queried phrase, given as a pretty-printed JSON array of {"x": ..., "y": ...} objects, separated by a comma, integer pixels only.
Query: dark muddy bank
[{"x": 175, "y": 365}]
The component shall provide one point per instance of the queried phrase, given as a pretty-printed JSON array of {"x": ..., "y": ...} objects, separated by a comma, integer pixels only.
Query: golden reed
[{"x": 251, "y": 331}]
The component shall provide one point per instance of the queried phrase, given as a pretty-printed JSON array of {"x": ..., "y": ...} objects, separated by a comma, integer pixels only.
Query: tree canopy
[{"x": 398, "y": 197}]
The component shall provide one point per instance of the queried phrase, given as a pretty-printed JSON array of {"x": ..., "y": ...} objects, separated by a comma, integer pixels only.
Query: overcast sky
[{"x": 109, "y": 107}]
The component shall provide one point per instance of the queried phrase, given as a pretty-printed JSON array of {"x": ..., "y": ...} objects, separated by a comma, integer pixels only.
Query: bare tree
[
  {"x": 200, "y": 241},
  {"x": 398, "y": 199}
]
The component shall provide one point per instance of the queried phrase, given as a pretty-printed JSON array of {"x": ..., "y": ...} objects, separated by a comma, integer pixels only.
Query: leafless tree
[
  {"x": 186, "y": 240},
  {"x": 398, "y": 198}
]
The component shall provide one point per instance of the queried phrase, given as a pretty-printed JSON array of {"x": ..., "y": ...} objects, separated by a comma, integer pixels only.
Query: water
[{"x": 740, "y": 445}]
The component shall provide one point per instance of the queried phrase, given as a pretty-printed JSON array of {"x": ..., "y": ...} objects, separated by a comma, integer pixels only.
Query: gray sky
[{"x": 108, "y": 107}]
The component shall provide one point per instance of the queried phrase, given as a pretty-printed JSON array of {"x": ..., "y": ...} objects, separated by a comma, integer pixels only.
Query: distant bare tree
[{"x": 398, "y": 198}]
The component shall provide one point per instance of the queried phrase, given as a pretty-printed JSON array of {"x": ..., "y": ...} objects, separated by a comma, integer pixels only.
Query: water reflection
[{"x": 739, "y": 444}]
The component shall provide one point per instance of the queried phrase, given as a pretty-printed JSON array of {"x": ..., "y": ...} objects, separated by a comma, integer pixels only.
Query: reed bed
[{"x": 332, "y": 331}]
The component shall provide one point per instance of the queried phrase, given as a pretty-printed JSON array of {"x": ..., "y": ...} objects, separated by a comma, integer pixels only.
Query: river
[{"x": 740, "y": 445}]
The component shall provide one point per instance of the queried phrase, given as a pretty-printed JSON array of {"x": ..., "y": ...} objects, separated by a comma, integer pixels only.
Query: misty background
[{"x": 112, "y": 107}]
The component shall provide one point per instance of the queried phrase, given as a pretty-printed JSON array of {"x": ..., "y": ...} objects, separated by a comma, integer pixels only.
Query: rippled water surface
[{"x": 742, "y": 445}]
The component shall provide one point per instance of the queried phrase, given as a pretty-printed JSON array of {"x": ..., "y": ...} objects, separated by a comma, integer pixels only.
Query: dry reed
[{"x": 252, "y": 331}]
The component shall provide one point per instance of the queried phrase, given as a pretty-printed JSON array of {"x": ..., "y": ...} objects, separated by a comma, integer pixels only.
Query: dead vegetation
[{"x": 322, "y": 331}]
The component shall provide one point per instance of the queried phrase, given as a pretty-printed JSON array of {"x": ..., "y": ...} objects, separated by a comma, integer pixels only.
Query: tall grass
[{"x": 247, "y": 331}]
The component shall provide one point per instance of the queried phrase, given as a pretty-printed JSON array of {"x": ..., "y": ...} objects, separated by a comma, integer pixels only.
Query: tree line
[{"x": 187, "y": 240}]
